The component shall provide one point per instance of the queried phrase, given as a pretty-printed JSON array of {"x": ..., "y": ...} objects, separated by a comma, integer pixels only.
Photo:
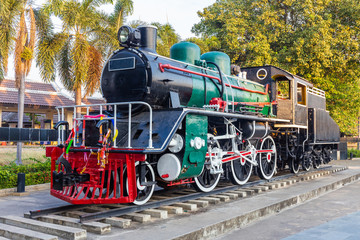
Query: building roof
[
  {"x": 92, "y": 100},
  {"x": 38, "y": 94},
  {"x": 37, "y": 86}
]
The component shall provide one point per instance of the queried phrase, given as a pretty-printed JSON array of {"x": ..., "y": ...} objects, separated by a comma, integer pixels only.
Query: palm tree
[
  {"x": 122, "y": 9},
  {"x": 79, "y": 49},
  {"x": 12, "y": 15},
  {"x": 9, "y": 18},
  {"x": 166, "y": 38}
]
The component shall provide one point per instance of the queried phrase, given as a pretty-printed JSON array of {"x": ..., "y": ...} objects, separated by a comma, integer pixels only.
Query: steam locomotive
[{"x": 187, "y": 119}]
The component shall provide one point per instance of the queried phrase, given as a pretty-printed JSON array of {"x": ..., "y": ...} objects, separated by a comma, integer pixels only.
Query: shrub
[
  {"x": 355, "y": 152},
  {"x": 36, "y": 173}
]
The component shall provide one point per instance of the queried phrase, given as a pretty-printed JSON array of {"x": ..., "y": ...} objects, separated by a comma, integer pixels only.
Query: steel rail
[{"x": 42, "y": 212}]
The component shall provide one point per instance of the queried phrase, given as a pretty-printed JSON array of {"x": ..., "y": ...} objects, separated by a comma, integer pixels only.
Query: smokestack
[{"x": 148, "y": 38}]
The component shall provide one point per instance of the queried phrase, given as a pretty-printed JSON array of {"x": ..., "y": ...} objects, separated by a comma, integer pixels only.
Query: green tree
[
  {"x": 77, "y": 52},
  {"x": 136, "y": 23},
  {"x": 122, "y": 9},
  {"x": 317, "y": 40},
  {"x": 14, "y": 31},
  {"x": 166, "y": 38},
  {"x": 10, "y": 12},
  {"x": 205, "y": 44}
]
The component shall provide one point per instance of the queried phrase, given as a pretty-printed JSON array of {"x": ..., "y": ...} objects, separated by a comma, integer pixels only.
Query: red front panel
[{"x": 114, "y": 181}]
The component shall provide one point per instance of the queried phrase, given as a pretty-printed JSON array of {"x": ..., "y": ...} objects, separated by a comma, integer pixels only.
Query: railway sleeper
[
  {"x": 118, "y": 222},
  {"x": 138, "y": 217},
  {"x": 156, "y": 213},
  {"x": 212, "y": 200},
  {"x": 223, "y": 198},
  {"x": 199, "y": 203},
  {"x": 93, "y": 227},
  {"x": 172, "y": 209}
]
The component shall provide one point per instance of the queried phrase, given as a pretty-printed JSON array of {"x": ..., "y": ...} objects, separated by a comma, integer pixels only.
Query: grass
[{"x": 30, "y": 154}]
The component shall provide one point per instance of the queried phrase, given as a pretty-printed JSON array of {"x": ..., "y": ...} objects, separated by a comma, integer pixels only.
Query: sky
[{"x": 181, "y": 14}]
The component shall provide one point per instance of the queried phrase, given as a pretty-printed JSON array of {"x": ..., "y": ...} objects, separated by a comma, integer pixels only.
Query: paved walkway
[
  {"x": 346, "y": 228},
  {"x": 14, "y": 205},
  {"x": 335, "y": 215}
]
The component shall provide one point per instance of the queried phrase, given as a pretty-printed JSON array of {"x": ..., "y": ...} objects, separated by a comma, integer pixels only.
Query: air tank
[
  {"x": 185, "y": 52},
  {"x": 219, "y": 58}
]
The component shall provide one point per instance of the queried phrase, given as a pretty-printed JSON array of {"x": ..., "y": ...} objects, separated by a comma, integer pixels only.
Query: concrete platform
[
  {"x": 211, "y": 222},
  {"x": 223, "y": 218},
  {"x": 334, "y": 215},
  {"x": 18, "y": 205},
  {"x": 347, "y": 227}
]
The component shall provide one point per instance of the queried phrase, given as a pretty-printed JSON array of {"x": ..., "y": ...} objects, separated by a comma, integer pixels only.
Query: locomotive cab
[{"x": 289, "y": 92}]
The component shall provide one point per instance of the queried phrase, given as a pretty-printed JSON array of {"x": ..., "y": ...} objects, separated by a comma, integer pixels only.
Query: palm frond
[
  {"x": 31, "y": 43},
  {"x": 65, "y": 66},
  {"x": 54, "y": 7},
  {"x": 44, "y": 24},
  {"x": 94, "y": 71},
  {"x": 121, "y": 10},
  {"x": 79, "y": 56},
  {"x": 47, "y": 50},
  {"x": 95, "y": 3},
  {"x": 1, "y": 70},
  {"x": 9, "y": 16}
]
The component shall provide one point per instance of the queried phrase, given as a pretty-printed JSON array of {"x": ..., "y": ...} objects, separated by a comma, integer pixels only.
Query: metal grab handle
[
  {"x": 102, "y": 122},
  {"x": 60, "y": 123}
]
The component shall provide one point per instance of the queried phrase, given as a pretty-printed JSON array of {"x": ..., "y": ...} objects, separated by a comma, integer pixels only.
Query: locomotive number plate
[{"x": 121, "y": 64}]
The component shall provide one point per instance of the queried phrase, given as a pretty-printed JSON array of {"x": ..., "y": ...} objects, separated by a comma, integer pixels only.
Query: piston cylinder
[{"x": 254, "y": 130}]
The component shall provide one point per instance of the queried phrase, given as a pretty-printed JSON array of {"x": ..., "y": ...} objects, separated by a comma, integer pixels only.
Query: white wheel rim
[
  {"x": 139, "y": 187},
  {"x": 203, "y": 188},
  {"x": 238, "y": 181},
  {"x": 267, "y": 177}
]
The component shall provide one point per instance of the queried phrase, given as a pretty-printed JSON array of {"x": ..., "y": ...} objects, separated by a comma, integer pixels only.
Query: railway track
[{"x": 75, "y": 221}]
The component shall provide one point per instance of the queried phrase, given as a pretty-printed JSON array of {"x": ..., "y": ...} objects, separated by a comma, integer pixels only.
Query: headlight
[
  {"x": 128, "y": 37},
  {"x": 124, "y": 34}
]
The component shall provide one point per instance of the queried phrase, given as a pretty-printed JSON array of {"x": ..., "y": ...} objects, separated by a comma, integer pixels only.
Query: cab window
[
  {"x": 301, "y": 94},
  {"x": 283, "y": 89}
]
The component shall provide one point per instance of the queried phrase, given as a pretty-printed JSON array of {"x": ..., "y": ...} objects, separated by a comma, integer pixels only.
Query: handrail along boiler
[{"x": 187, "y": 119}]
